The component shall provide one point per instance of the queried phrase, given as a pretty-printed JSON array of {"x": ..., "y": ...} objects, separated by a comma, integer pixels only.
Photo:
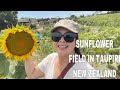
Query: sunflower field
[{"x": 99, "y": 27}]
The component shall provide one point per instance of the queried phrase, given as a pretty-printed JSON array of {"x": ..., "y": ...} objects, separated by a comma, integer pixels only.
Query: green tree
[
  {"x": 112, "y": 12},
  {"x": 73, "y": 17},
  {"x": 7, "y": 19}
]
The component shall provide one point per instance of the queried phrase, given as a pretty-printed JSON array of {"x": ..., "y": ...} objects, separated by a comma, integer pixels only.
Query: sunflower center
[{"x": 19, "y": 43}]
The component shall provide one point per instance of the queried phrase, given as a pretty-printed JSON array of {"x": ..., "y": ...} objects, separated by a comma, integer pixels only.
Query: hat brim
[{"x": 63, "y": 27}]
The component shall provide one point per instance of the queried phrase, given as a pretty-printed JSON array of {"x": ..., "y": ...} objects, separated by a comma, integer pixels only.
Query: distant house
[
  {"x": 33, "y": 20},
  {"x": 43, "y": 20},
  {"x": 46, "y": 21},
  {"x": 24, "y": 21}
]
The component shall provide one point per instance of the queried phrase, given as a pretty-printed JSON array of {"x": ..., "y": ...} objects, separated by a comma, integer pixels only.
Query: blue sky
[{"x": 51, "y": 14}]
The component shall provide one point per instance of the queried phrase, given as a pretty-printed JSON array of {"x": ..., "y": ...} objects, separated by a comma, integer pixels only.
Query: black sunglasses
[{"x": 68, "y": 37}]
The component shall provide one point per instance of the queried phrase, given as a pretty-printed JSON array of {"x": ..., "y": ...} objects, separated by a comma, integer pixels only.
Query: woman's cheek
[{"x": 71, "y": 47}]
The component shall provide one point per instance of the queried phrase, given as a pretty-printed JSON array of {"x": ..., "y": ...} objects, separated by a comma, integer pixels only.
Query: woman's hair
[{"x": 77, "y": 50}]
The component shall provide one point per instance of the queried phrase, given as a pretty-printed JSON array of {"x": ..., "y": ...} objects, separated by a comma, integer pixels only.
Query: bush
[{"x": 33, "y": 26}]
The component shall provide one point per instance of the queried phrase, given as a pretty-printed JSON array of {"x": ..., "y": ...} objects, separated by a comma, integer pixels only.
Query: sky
[{"x": 52, "y": 14}]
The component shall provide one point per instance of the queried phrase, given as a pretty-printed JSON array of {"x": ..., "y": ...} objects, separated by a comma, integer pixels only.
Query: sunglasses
[{"x": 68, "y": 37}]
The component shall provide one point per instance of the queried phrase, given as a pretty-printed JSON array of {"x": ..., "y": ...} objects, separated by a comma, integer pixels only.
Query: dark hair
[{"x": 77, "y": 50}]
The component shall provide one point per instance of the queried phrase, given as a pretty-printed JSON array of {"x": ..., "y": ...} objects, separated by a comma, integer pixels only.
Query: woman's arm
[{"x": 32, "y": 71}]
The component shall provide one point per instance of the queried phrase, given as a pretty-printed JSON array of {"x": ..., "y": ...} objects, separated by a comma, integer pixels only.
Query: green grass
[{"x": 101, "y": 20}]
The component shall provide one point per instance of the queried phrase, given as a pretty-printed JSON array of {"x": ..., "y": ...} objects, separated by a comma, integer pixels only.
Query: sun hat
[{"x": 68, "y": 24}]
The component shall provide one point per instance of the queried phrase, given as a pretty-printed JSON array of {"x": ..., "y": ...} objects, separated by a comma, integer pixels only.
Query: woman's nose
[{"x": 62, "y": 39}]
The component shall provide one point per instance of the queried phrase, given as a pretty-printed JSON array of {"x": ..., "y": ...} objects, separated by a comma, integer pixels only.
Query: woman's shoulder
[
  {"x": 52, "y": 55},
  {"x": 84, "y": 65},
  {"x": 88, "y": 65},
  {"x": 48, "y": 59}
]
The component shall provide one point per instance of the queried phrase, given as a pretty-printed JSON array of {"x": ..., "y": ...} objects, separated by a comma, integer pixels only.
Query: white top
[{"x": 77, "y": 71}]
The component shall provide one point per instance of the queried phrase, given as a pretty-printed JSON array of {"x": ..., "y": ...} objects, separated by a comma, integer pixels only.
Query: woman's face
[{"x": 62, "y": 47}]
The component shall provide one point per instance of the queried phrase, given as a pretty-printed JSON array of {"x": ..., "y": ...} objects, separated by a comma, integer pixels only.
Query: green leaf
[
  {"x": 19, "y": 71},
  {"x": 4, "y": 65}
]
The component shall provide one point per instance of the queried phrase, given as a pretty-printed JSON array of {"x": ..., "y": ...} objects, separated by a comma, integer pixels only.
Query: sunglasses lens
[
  {"x": 69, "y": 37},
  {"x": 56, "y": 36}
]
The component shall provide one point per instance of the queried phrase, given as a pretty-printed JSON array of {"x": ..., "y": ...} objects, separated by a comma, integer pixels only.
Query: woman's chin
[
  {"x": 61, "y": 50},
  {"x": 62, "y": 53}
]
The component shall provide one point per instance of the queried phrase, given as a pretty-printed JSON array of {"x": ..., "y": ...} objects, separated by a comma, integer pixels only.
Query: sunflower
[{"x": 18, "y": 42}]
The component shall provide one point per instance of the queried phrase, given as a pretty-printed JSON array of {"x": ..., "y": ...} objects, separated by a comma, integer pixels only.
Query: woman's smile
[{"x": 62, "y": 47}]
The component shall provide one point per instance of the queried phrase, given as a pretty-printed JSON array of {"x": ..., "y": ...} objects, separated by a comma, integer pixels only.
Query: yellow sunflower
[{"x": 18, "y": 42}]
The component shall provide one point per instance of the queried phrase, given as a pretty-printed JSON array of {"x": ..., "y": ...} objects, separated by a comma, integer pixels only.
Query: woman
[{"x": 57, "y": 65}]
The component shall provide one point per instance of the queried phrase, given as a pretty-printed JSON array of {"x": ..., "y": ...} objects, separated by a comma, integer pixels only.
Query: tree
[
  {"x": 112, "y": 12},
  {"x": 73, "y": 17},
  {"x": 7, "y": 19},
  {"x": 82, "y": 16},
  {"x": 96, "y": 13}
]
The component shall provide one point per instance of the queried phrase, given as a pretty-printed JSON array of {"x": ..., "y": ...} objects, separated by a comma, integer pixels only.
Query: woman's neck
[{"x": 63, "y": 60}]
